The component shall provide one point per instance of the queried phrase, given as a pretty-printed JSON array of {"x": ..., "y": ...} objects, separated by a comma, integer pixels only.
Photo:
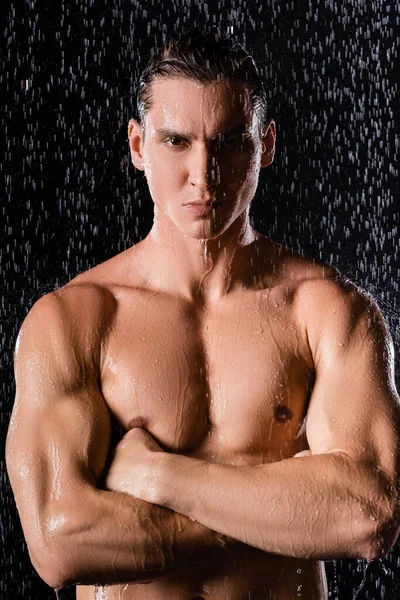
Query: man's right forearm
[{"x": 111, "y": 537}]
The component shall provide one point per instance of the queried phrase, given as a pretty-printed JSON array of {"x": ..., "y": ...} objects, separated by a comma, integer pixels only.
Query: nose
[{"x": 203, "y": 169}]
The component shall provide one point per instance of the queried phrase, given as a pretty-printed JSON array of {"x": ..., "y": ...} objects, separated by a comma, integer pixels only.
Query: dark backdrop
[{"x": 70, "y": 199}]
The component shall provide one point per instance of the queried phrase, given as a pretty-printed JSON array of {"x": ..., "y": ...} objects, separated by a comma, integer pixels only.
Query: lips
[
  {"x": 202, "y": 201},
  {"x": 202, "y": 208}
]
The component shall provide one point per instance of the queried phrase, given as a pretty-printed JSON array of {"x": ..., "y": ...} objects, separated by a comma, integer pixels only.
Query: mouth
[{"x": 202, "y": 208}]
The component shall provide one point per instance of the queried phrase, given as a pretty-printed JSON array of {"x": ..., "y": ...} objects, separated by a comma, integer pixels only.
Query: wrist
[
  {"x": 163, "y": 478},
  {"x": 152, "y": 479},
  {"x": 179, "y": 481}
]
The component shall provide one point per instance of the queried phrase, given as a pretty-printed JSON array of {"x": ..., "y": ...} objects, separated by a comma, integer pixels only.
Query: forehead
[{"x": 183, "y": 104}]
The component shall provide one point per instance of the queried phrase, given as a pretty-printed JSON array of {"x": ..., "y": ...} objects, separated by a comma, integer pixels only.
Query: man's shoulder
[
  {"x": 76, "y": 317},
  {"x": 76, "y": 301},
  {"x": 301, "y": 274},
  {"x": 331, "y": 310},
  {"x": 110, "y": 273},
  {"x": 329, "y": 305},
  {"x": 83, "y": 310},
  {"x": 319, "y": 291},
  {"x": 325, "y": 289},
  {"x": 95, "y": 292}
]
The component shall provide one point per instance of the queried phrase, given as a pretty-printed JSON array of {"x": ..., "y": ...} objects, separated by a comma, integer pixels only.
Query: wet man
[{"x": 254, "y": 387}]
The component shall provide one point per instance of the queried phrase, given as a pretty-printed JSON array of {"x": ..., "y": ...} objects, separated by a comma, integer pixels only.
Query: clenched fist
[{"x": 133, "y": 468}]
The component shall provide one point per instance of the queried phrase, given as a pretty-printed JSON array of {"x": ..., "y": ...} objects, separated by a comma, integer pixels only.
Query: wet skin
[
  {"x": 227, "y": 348},
  {"x": 229, "y": 384}
]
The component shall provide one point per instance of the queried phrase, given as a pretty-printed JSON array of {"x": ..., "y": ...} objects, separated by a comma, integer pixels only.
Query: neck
[{"x": 204, "y": 271}]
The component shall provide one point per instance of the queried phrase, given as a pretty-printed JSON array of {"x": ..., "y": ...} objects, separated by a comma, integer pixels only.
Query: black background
[{"x": 70, "y": 199}]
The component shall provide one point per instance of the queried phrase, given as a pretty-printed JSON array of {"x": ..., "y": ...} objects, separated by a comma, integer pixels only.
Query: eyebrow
[{"x": 166, "y": 132}]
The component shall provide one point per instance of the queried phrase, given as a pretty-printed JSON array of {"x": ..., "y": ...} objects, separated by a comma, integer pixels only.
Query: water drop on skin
[{"x": 367, "y": 68}]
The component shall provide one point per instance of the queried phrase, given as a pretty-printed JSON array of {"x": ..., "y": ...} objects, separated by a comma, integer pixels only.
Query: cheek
[
  {"x": 162, "y": 173},
  {"x": 241, "y": 171}
]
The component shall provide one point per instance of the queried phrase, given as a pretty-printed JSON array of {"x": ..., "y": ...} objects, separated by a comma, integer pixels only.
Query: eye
[
  {"x": 233, "y": 139},
  {"x": 230, "y": 141},
  {"x": 174, "y": 141}
]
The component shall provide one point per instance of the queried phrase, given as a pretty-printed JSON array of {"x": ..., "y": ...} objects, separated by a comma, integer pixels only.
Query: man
[{"x": 254, "y": 388}]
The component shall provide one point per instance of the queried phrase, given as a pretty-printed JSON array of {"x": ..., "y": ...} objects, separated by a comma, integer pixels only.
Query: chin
[{"x": 205, "y": 231}]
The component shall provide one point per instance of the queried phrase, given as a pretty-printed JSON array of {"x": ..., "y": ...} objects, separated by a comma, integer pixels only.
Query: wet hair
[{"x": 205, "y": 58}]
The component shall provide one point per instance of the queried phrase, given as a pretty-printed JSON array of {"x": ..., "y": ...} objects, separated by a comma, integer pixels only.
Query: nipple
[{"x": 283, "y": 414}]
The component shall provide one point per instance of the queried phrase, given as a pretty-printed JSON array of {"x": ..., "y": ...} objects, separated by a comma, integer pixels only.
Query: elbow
[
  {"x": 382, "y": 543},
  {"x": 52, "y": 557},
  {"x": 54, "y": 573},
  {"x": 52, "y": 570},
  {"x": 378, "y": 546},
  {"x": 54, "y": 576},
  {"x": 381, "y": 539}
]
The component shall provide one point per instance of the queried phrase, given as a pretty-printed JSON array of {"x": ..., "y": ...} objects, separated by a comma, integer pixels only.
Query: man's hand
[{"x": 132, "y": 468}]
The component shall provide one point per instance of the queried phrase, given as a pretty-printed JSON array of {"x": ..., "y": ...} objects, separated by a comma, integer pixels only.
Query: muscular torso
[{"x": 229, "y": 384}]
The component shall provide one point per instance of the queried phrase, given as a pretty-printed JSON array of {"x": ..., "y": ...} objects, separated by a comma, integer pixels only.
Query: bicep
[
  {"x": 354, "y": 406},
  {"x": 60, "y": 427},
  {"x": 61, "y": 437}
]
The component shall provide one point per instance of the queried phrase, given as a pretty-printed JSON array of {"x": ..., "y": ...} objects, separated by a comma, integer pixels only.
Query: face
[{"x": 201, "y": 154}]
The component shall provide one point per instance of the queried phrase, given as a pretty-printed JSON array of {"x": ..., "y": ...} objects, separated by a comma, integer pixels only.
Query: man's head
[
  {"x": 203, "y": 58},
  {"x": 202, "y": 134}
]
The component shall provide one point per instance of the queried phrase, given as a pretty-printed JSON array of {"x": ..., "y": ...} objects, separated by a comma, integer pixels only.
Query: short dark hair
[{"x": 205, "y": 58}]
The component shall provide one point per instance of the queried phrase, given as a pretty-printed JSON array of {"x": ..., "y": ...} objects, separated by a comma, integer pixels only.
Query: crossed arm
[
  {"x": 56, "y": 451},
  {"x": 339, "y": 500}
]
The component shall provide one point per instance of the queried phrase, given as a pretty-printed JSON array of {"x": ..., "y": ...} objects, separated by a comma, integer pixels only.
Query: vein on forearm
[{"x": 320, "y": 506}]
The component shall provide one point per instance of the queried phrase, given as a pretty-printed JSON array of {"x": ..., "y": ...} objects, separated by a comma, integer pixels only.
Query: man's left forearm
[{"x": 321, "y": 506}]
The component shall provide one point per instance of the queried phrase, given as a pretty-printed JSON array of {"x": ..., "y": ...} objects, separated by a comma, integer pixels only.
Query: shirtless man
[{"x": 253, "y": 388}]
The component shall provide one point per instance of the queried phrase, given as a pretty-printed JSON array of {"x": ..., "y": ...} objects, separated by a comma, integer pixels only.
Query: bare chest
[{"x": 231, "y": 384}]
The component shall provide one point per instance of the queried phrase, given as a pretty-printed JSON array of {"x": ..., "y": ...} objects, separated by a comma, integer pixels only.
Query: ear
[
  {"x": 135, "y": 136},
  {"x": 268, "y": 144}
]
